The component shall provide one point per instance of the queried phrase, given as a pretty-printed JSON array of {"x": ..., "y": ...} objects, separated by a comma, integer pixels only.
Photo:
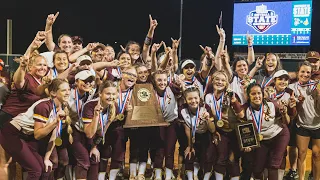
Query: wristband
[{"x": 148, "y": 41}]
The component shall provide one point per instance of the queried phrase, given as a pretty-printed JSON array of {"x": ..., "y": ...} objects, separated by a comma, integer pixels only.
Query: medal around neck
[{"x": 58, "y": 141}]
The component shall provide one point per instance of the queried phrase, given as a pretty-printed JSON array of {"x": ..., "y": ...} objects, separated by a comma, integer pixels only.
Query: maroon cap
[
  {"x": 77, "y": 38},
  {"x": 313, "y": 56}
]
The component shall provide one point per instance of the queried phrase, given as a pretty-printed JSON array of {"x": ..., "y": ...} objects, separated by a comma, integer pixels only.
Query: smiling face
[
  {"x": 304, "y": 74},
  {"x": 61, "y": 62},
  {"x": 143, "y": 73},
  {"x": 193, "y": 99},
  {"x": 63, "y": 92},
  {"x": 129, "y": 77},
  {"x": 134, "y": 51},
  {"x": 271, "y": 63},
  {"x": 39, "y": 67},
  {"x": 85, "y": 85},
  {"x": 255, "y": 96},
  {"x": 241, "y": 68},
  {"x": 188, "y": 71},
  {"x": 108, "y": 95},
  {"x": 77, "y": 45},
  {"x": 97, "y": 54},
  {"x": 219, "y": 82},
  {"x": 66, "y": 44},
  {"x": 109, "y": 54},
  {"x": 161, "y": 81},
  {"x": 281, "y": 83},
  {"x": 125, "y": 60}
]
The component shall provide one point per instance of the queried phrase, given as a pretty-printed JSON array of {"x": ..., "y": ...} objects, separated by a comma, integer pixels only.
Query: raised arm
[
  {"x": 164, "y": 63},
  {"x": 49, "y": 23},
  {"x": 209, "y": 61},
  {"x": 175, "y": 46},
  {"x": 149, "y": 37},
  {"x": 251, "y": 57},
  {"x": 257, "y": 66},
  {"x": 36, "y": 43},
  {"x": 225, "y": 60},
  {"x": 91, "y": 128},
  {"x": 73, "y": 57},
  {"x": 154, "y": 61},
  {"x": 222, "y": 36},
  {"x": 18, "y": 77},
  {"x": 98, "y": 66}
]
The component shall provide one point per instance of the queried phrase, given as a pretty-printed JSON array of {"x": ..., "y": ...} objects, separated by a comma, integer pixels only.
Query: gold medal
[
  {"x": 260, "y": 137},
  {"x": 181, "y": 77},
  {"x": 58, "y": 141},
  {"x": 318, "y": 86},
  {"x": 220, "y": 123},
  {"x": 120, "y": 117},
  {"x": 193, "y": 139}
]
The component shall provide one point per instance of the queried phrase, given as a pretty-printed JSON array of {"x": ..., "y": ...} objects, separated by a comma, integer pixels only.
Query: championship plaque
[
  {"x": 146, "y": 111},
  {"x": 247, "y": 135}
]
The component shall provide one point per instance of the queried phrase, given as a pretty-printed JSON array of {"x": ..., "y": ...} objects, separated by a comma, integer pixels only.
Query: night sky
[{"x": 118, "y": 21}]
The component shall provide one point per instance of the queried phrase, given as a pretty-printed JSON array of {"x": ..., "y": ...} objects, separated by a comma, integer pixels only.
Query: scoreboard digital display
[{"x": 273, "y": 23}]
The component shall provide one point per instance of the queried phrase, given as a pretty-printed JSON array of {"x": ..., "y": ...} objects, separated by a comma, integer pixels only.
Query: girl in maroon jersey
[
  {"x": 20, "y": 137},
  {"x": 271, "y": 121},
  {"x": 98, "y": 116},
  {"x": 199, "y": 127},
  {"x": 226, "y": 108}
]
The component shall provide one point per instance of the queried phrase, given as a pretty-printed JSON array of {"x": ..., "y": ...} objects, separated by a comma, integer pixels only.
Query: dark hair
[
  {"x": 193, "y": 89},
  {"x": 130, "y": 43},
  {"x": 62, "y": 35},
  {"x": 120, "y": 54},
  {"x": 59, "y": 52},
  {"x": 236, "y": 60},
  {"x": 304, "y": 63},
  {"x": 279, "y": 65},
  {"x": 55, "y": 83}
]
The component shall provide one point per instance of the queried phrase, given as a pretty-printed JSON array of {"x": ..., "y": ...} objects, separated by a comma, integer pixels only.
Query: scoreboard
[{"x": 273, "y": 23}]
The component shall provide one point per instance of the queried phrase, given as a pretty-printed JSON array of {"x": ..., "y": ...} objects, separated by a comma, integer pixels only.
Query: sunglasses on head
[{"x": 130, "y": 74}]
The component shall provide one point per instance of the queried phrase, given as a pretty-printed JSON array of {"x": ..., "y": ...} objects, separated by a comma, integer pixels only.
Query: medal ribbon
[
  {"x": 207, "y": 84},
  {"x": 257, "y": 122},
  {"x": 103, "y": 121},
  {"x": 215, "y": 104},
  {"x": 123, "y": 103},
  {"x": 119, "y": 71},
  {"x": 55, "y": 116},
  {"x": 266, "y": 82},
  {"x": 39, "y": 82},
  {"x": 278, "y": 96},
  {"x": 78, "y": 102},
  {"x": 189, "y": 82},
  {"x": 195, "y": 123},
  {"x": 309, "y": 84},
  {"x": 163, "y": 102},
  {"x": 55, "y": 73}
]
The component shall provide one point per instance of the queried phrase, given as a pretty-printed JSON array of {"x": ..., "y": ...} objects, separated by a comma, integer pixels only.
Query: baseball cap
[
  {"x": 313, "y": 56},
  {"x": 84, "y": 58},
  {"x": 100, "y": 45},
  {"x": 186, "y": 62},
  {"x": 83, "y": 75},
  {"x": 77, "y": 38},
  {"x": 281, "y": 73}
]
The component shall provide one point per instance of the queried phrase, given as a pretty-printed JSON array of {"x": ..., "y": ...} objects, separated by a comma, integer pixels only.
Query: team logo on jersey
[
  {"x": 144, "y": 94},
  {"x": 262, "y": 19}
]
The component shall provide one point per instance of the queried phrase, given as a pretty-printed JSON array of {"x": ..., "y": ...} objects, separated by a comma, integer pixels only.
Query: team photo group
[{"x": 83, "y": 111}]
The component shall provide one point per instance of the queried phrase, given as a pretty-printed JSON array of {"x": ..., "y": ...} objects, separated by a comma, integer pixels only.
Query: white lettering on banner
[{"x": 282, "y": 56}]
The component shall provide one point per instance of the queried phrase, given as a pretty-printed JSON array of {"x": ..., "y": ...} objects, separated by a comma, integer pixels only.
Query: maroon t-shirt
[
  {"x": 21, "y": 99},
  {"x": 42, "y": 111}
]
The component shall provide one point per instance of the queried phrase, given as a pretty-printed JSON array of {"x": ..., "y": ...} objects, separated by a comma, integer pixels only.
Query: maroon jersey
[
  {"x": 88, "y": 111},
  {"x": 21, "y": 99},
  {"x": 43, "y": 112}
]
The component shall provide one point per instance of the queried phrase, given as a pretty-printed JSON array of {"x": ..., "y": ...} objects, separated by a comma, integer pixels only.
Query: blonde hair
[{"x": 68, "y": 122}]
